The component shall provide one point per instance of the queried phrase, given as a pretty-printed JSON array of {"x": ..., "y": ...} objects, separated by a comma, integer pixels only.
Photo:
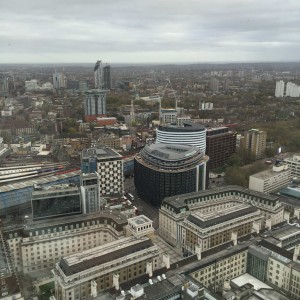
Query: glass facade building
[
  {"x": 163, "y": 170},
  {"x": 55, "y": 201}
]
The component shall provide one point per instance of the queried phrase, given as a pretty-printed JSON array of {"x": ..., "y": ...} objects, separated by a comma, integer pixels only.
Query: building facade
[
  {"x": 163, "y": 170},
  {"x": 105, "y": 267},
  {"x": 187, "y": 134},
  {"x": 90, "y": 192},
  {"x": 175, "y": 209},
  {"x": 220, "y": 145},
  {"x": 40, "y": 244},
  {"x": 55, "y": 201},
  {"x": 94, "y": 104},
  {"x": 255, "y": 141},
  {"x": 279, "y": 89},
  {"x": 107, "y": 85},
  {"x": 270, "y": 180},
  {"x": 294, "y": 165},
  {"x": 108, "y": 164},
  {"x": 202, "y": 230}
]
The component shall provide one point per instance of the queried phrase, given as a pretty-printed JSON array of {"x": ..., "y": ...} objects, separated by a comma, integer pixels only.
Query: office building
[
  {"x": 163, "y": 170},
  {"x": 40, "y": 244},
  {"x": 104, "y": 267},
  {"x": 94, "y": 104},
  {"x": 188, "y": 134},
  {"x": 279, "y": 89},
  {"x": 90, "y": 192},
  {"x": 176, "y": 208},
  {"x": 108, "y": 164},
  {"x": 220, "y": 145},
  {"x": 270, "y": 180},
  {"x": 255, "y": 141},
  {"x": 59, "y": 80},
  {"x": 212, "y": 227},
  {"x": 54, "y": 201},
  {"x": 294, "y": 165},
  {"x": 107, "y": 78}
]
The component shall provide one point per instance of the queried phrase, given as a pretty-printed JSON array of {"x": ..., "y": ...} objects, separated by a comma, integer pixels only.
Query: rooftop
[
  {"x": 100, "y": 153},
  {"x": 269, "y": 173},
  {"x": 172, "y": 152},
  {"x": 180, "y": 201},
  {"x": 210, "y": 219},
  {"x": 38, "y": 181},
  {"x": 187, "y": 126},
  {"x": 139, "y": 220},
  {"x": 97, "y": 256},
  {"x": 247, "y": 278}
]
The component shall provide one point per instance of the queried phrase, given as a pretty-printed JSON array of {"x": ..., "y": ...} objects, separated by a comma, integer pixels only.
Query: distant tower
[
  {"x": 98, "y": 72},
  {"x": 214, "y": 85},
  {"x": 59, "y": 80},
  {"x": 106, "y": 78},
  {"x": 279, "y": 89}
]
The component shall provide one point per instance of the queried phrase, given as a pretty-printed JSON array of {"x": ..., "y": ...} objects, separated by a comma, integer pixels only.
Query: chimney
[
  {"x": 116, "y": 281},
  {"x": 269, "y": 224},
  {"x": 93, "y": 288},
  {"x": 256, "y": 226},
  {"x": 286, "y": 216},
  {"x": 234, "y": 237},
  {"x": 296, "y": 253}
]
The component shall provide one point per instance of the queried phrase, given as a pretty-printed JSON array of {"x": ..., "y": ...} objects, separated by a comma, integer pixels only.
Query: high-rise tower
[
  {"x": 106, "y": 77},
  {"x": 98, "y": 73}
]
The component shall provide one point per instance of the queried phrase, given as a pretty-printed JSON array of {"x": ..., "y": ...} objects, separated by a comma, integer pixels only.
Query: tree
[
  {"x": 236, "y": 176},
  {"x": 234, "y": 160}
]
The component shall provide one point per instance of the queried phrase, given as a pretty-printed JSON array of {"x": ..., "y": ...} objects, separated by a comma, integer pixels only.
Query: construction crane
[{"x": 161, "y": 97}]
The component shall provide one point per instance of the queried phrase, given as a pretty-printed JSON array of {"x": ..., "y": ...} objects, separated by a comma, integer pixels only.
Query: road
[{"x": 143, "y": 206}]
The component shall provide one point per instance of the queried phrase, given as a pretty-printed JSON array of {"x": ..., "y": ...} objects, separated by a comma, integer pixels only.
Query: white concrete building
[
  {"x": 270, "y": 180},
  {"x": 292, "y": 90},
  {"x": 279, "y": 89},
  {"x": 188, "y": 133},
  {"x": 294, "y": 165}
]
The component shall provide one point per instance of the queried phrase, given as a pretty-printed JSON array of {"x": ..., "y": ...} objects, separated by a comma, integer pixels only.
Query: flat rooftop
[
  {"x": 109, "y": 252},
  {"x": 247, "y": 278},
  {"x": 267, "y": 174},
  {"x": 38, "y": 181},
  {"x": 211, "y": 219},
  {"x": 183, "y": 200},
  {"x": 139, "y": 220},
  {"x": 100, "y": 153},
  {"x": 286, "y": 231}
]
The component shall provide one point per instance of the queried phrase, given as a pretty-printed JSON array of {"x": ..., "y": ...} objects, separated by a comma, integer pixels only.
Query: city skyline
[{"x": 144, "y": 32}]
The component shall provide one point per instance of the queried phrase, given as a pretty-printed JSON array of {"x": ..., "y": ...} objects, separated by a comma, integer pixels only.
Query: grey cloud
[{"x": 256, "y": 28}]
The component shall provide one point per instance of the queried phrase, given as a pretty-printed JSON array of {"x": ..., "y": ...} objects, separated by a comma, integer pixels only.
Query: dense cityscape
[{"x": 150, "y": 181}]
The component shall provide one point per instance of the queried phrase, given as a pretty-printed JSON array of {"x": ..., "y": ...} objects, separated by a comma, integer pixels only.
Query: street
[{"x": 144, "y": 208}]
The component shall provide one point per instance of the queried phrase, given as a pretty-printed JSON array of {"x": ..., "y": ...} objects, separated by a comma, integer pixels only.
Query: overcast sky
[{"x": 152, "y": 31}]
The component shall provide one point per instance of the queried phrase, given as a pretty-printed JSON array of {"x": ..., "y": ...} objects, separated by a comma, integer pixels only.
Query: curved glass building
[
  {"x": 163, "y": 170},
  {"x": 188, "y": 134}
]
